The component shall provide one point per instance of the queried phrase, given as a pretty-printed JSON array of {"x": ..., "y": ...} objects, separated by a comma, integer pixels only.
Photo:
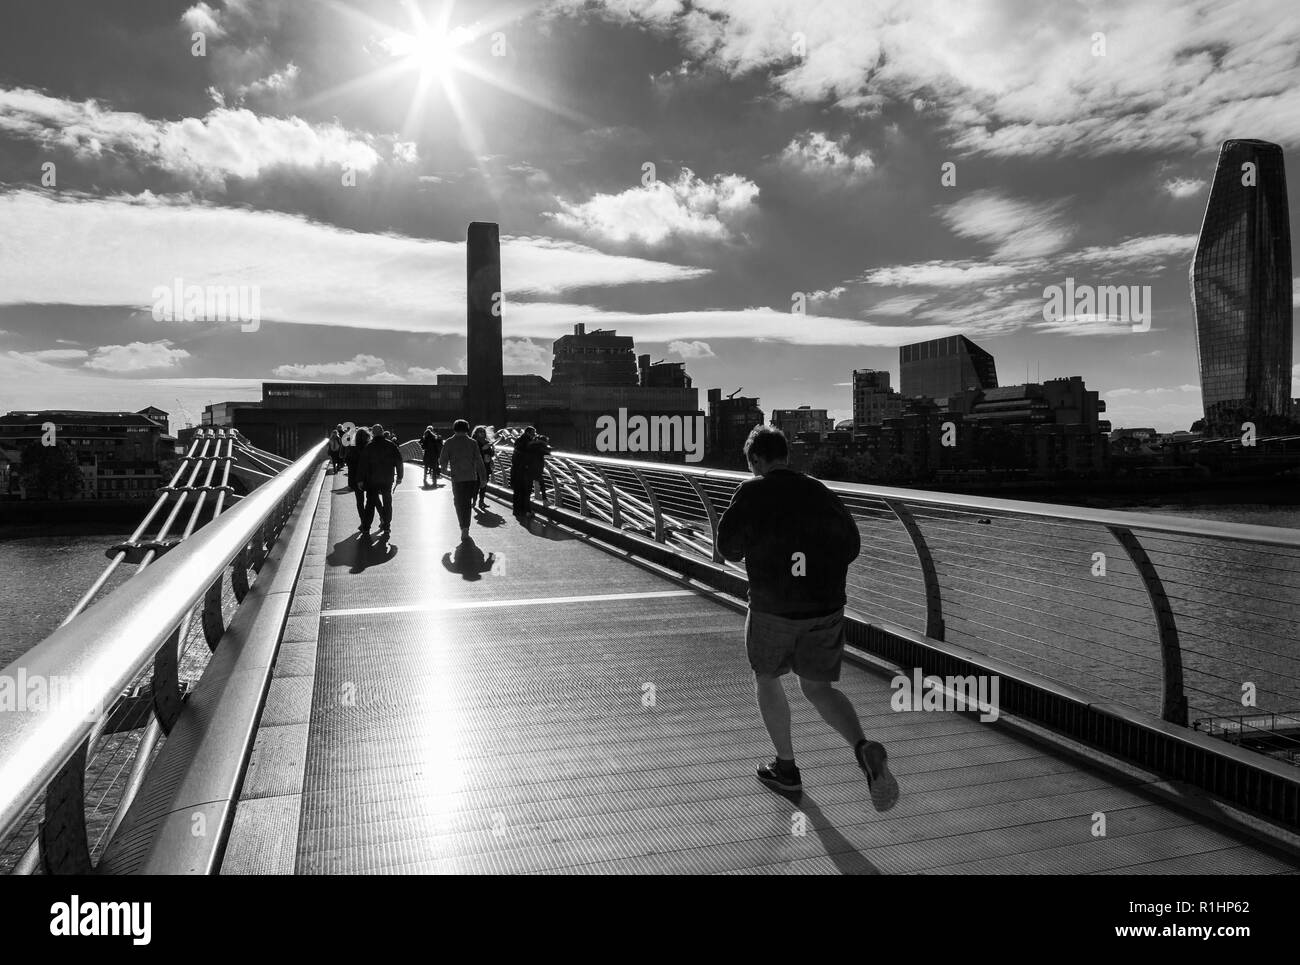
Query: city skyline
[{"x": 781, "y": 178}]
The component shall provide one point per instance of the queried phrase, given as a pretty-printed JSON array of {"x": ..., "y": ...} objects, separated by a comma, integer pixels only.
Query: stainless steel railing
[
  {"x": 133, "y": 642},
  {"x": 1170, "y": 616}
]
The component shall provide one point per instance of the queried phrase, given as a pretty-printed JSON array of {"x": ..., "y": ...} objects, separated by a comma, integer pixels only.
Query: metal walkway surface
[{"x": 531, "y": 703}]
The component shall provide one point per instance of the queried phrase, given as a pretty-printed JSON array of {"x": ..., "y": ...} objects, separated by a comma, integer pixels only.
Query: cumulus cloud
[
  {"x": 204, "y": 19},
  {"x": 814, "y": 153},
  {"x": 691, "y": 350},
  {"x": 688, "y": 207},
  {"x": 522, "y": 356},
  {"x": 1184, "y": 187},
  {"x": 225, "y": 143},
  {"x": 136, "y": 357},
  {"x": 279, "y": 82}
]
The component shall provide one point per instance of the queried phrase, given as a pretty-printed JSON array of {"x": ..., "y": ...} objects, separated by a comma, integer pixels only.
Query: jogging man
[{"x": 797, "y": 541}]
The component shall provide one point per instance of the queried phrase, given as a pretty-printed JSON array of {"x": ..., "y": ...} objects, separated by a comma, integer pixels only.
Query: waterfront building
[{"x": 119, "y": 454}]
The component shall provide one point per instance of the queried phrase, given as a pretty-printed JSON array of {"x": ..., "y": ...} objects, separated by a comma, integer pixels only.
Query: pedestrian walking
[
  {"x": 360, "y": 439},
  {"x": 797, "y": 541},
  {"x": 336, "y": 448},
  {"x": 380, "y": 469},
  {"x": 463, "y": 462},
  {"x": 431, "y": 443},
  {"x": 483, "y": 436}
]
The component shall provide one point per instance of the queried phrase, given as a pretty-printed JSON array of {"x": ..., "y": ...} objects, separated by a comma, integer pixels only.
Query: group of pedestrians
[
  {"x": 795, "y": 536},
  {"x": 528, "y": 471},
  {"x": 374, "y": 465}
]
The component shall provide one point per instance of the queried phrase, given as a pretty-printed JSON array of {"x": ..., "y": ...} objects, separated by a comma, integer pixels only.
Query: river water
[{"x": 41, "y": 577}]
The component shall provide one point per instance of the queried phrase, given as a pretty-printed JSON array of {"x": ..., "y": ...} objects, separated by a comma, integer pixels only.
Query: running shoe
[
  {"x": 874, "y": 761},
  {"x": 779, "y": 778}
]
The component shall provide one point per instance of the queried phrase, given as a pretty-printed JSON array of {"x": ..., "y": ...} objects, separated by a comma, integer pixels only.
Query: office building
[
  {"x": 873, "y": 399},
  {"x": 804, "y": 419},
  {"x": 600, "y": 357},
  {"x": 944, "y": 366},
  {"x": 730, "y": 421},
  {"x": 1241, "y": 288}
]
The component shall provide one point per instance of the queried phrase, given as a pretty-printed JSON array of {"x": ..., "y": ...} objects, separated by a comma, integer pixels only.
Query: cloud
[
  {"x": 204, "y": 19},
  {"x": 691, "y": 350},
  {"x": 941, "y": 274},
  {"x": 523, "y": 356},
  {"x": 136, "y": 357},
  {"x": 898, "y": 305},
  {"x": 225, "y": 143},
  {"x": 58, "y": 354},
  {"x": 1018, "y": 228},
  {"x": 1005, "y": 78},
  {"x": 1184, "y": 187},
  {"x": 360, "y": 365},
  {"x": 305, "y": 272},
  {"x": 814, "y": 153},
  {"x": 827, "y": 296},
  {"x": 689, "y": 207},
  {"x": 279, "y": 82},
  {"x": 417, "y": 373},
  {"x": 405, "y": 152}
]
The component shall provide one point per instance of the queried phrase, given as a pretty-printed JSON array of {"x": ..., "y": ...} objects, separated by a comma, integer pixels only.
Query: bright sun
[{"x": 434, "y": 51}]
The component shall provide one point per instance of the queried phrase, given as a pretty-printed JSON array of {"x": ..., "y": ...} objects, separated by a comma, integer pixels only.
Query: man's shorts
[{"x": 812, "y": 647}]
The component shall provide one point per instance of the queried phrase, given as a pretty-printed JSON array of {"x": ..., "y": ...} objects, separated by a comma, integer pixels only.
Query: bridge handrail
[
  {"x": 952, "y": 571},
  {"x": 104, "y": 648},
  {"x": 1149, "y": 522}
]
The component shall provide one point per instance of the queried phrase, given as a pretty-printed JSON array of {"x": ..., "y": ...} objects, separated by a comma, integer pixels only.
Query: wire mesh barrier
[
  {"x": 1179, "y": 619},
  {"x": 115, "y": 675}
]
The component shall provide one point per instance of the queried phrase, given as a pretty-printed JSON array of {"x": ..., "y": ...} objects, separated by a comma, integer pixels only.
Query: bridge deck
[{"x": 443, "y": 711}]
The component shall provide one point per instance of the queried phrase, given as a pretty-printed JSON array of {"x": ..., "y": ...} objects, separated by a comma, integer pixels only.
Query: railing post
[
  {"x": 64, "y": 847},
  {"x": 167, "y": 700},
  {"x": 213, "y": 620},
  {"x": 615, "y": 515},
  {"x": 654, "y": 505},
  {"x": 933, "y": 595},
  {"x": 239, "y": 575},
  {"x": 713, "y": 515},
  {"x": 1173, "y": 702},
  {"x": 576, "y": 475}
]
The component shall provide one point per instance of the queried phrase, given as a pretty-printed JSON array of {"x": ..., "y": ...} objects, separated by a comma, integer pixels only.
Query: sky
[{"x": 776, "y": 192}]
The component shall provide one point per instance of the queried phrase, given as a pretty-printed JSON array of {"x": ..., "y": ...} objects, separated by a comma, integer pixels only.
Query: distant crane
[{"x": 734, "y": 394}]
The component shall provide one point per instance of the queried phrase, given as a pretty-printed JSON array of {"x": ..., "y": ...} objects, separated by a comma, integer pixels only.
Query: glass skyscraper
[{"x": 1241, "y": 288}]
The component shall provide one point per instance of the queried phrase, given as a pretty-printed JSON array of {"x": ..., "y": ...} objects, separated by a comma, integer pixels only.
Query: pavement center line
[{"x": 483, "y": 604}]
